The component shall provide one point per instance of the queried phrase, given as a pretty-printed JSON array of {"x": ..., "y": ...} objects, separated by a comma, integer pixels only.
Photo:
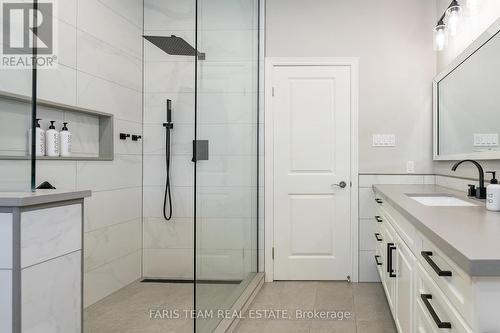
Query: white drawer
[
  {"x": 404, "y": 229},
  {"x": 5, "y": 240},
  {"x": 423, "y": 320},
  {"x": 5, "y": 301},
  {"x": 438, "y": 307},
  {"x": 457, "y": 287},
  {"x": 49, "y": 233}
]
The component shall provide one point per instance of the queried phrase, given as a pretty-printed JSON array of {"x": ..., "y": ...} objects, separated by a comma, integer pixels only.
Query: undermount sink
[{"x": 436, "y": 199}]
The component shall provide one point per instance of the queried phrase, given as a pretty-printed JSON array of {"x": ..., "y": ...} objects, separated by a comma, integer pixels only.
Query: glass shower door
[{"x": 226, "y": 167}]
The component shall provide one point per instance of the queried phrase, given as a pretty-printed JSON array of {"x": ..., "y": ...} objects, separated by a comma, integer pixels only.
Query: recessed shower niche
[{"x": 92, "y": 131}]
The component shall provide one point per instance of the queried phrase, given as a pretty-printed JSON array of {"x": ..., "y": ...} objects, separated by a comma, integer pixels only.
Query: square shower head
[{"x": 174, "y": 45}]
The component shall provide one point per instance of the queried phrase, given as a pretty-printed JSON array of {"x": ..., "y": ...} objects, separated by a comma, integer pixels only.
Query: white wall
[
  {"x": 394, "y": 42},
  {"x": 100, "y": 68}
]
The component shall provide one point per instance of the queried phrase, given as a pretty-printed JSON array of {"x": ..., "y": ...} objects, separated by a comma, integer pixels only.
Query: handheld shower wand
[{"x": 168, "y": 196}]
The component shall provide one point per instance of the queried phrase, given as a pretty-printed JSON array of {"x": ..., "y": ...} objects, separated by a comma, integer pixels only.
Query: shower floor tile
[{"x": 129, "y": 309}]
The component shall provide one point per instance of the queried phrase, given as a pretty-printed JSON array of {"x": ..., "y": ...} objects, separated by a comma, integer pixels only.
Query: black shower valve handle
[
  {"x": 124, "y": 136},
  {"x": 136, "y": 137}
]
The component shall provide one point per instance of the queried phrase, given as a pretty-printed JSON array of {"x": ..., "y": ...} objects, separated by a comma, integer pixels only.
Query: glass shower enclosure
[
  {"x": 203, "y": 56},
  {"x": 227, "y": 182}
]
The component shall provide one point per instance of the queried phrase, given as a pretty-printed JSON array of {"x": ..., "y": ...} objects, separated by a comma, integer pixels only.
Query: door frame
[{"x": 270, "y": 64}]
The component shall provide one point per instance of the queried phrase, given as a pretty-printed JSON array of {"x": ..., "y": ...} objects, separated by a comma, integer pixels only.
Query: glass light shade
[
  {"x": 439, "y": 38},
  {"x": 453, "y": 15}
]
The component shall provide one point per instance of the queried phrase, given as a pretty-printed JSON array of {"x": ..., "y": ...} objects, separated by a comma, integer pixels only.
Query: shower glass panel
[
  {"x": 16, "y": 106},
  {"x": 226, "y": 168}
]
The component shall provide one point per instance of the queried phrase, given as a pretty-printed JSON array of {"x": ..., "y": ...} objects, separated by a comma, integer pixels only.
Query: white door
[{"x": 311, "y": 110}]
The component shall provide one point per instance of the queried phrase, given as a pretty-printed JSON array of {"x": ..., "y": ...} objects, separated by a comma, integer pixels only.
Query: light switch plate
[
  {"x": 384, "y": 140},
  {"x": 410, "y": 167},
  {"x": 485, "y": 140}
]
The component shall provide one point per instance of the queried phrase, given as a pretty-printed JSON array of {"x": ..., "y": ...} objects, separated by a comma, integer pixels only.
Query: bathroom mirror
[{"x": 467, "y": 102}]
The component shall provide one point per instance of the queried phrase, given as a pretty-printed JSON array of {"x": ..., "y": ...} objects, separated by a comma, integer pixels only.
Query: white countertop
[{"x": 21, "y": 199}]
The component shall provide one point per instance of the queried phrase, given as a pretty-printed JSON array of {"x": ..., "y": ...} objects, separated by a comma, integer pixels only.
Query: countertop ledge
[
  {"x": 470, "y": 236},
  {"x": 40, "y": 197}
]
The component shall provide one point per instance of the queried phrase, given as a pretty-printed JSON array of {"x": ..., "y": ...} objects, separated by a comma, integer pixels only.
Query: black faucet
[{"x": 481, "y": 191}]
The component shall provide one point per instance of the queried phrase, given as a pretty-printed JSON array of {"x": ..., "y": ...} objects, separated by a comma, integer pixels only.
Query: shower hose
[{"x": 168, "y": 196}]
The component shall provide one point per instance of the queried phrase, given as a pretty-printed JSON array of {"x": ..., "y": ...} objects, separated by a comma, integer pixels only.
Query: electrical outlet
[
  {"x": 384, "y": 140},
  {"x": 410, "y": 167}
]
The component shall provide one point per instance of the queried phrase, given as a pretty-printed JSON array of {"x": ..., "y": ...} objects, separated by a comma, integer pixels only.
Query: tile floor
[
  {"x": 127, "y": 311},
  {"x": 365, "y": 301}
]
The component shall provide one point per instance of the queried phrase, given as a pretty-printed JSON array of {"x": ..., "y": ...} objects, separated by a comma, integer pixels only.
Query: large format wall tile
[
  {"x": 94, "y": 18},
  {"x": 102, "y": 95},
  {"x": 177, "y": 233},
  {"x": 61, "y": 174},
  {"x": 107, "y": 208},
  {"x": 51, "y": 298},
  {"x": 182, "y": 169},
  {"x": 182, "y": 201},
  {"x": 49, "y": 233},
  {"x": 168, "y": 263},
  {"x": 181, "y": 139},
  {"x": 128, "y": 147},
  {"x": 57, "y": 85},
  {"x": 108, "y": 278},
  {"x": 107, "y": 244},
  {"x": 107, "y": 62},
  {"x": 169, "y": 77},
  {"x": 155, "y": 108},
  {"x": 130, "y": 9},
  {"x": 168, "y": 15},
  {"x": 123, "y": 172}
]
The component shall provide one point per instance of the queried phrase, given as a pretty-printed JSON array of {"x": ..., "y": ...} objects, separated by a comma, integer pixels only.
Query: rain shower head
[{"x": 174, "y": 45}]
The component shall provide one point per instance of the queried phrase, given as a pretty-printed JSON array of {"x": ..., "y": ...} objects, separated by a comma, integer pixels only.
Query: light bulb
[
  {"x": 453, "y": 14},
  {"x": 440, "y": 37},
  {"x": 472, "y": 5}
]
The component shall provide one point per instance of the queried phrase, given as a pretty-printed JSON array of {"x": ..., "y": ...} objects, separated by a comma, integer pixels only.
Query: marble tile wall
[
  {"x": 367, "y": 224},
  {"x": 168, "y": 245},
  {"x": 100, "y": 67}
]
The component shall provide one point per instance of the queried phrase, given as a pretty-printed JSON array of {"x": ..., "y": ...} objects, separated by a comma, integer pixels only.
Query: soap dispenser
[
  {"x": 65, "y": 137},
  {"x": 52, "y": 140},
  {"x": 39, "y": 139},
  {"x": 493, "y": 194}
]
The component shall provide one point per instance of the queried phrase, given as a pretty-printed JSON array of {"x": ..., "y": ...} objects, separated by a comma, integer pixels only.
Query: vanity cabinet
[
  {"x": 41, "y": 262},
  {"x": 426, "y": 290}
]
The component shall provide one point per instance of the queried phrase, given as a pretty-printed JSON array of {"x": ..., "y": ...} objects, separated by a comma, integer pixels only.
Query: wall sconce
[
  {"x": 447, "y": 24},
  {"x": 453, "y": 14}
]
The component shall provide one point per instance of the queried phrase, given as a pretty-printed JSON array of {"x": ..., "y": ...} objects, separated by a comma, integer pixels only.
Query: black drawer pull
[
  {"x": 427, "y": 256},
  {"x": 390, "y": 270},
  {"x": 377, "y": 236},
  {"x": 379, "y": 219},
  {"x": 378, "y": 201},
  {"x": 376, "y": 260},
  {"x": 439, "y": 323}
]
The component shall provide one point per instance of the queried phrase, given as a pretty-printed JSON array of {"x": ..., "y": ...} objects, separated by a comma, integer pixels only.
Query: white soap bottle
[
  {"x": 493, "y": 194},
  {"x": 39, "y": 140},
  {"x": 65, "y": 138},
  {"x": 52, "y": 141}
]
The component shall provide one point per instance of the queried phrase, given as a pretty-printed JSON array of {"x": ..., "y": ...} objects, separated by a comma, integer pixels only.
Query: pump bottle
[
  {"x": 52, "y": 140},
  {"x": 493, "y": 194}
]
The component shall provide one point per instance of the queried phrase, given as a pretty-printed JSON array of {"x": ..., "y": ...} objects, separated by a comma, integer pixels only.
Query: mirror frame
[{"x": 491, "y": 32}]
